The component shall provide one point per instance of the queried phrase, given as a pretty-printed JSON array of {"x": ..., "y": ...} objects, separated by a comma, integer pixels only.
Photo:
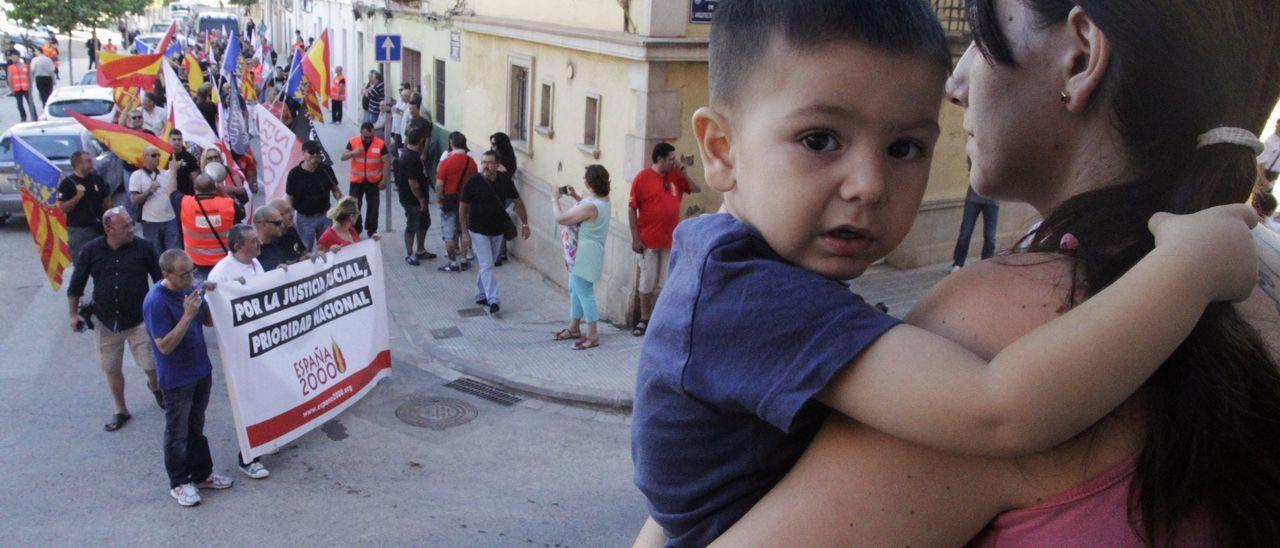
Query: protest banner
[
  {"x": 281, "y": 151},
  {"x": 301, "y": 345}
]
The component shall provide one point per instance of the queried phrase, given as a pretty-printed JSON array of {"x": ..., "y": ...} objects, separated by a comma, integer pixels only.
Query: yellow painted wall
[
  {"x": 432, "y": 41},
  {"x": 555, "y": 159},
  {"x": 591, "y": 14},
  {"x": 950, "y": 176},
  {"x": 690, "y": 79}
]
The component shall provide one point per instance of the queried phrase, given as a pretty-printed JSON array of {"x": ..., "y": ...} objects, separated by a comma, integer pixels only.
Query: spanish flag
[
  {"x": 116, "y": 70},
  {"x": 195, "y": 76},
  {"x": 124, "y": 142},
  {"x": 315, "y": 66}
]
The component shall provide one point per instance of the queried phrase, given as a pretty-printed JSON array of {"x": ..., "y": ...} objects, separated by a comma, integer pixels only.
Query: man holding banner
[
  {"x": 185, "y": 374},
  {"x": 301, "y": 345}
]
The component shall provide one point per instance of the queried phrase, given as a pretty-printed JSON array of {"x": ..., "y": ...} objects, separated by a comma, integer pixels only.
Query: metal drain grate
[
  {"x": 471, "y": 312},
  {"x": 446, "y": 333},
  {"x": 485, "y": 391}
]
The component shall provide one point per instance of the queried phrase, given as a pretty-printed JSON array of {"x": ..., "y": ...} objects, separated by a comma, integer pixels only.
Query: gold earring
[{"x": 1064, "y": 97}]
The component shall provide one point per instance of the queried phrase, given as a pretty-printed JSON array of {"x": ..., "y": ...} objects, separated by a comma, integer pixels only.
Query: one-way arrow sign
[{"x": 386, "y": 48}]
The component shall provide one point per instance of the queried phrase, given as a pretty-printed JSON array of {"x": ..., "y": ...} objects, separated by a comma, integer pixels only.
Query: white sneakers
[
  {"x": 255, "y": 470},
  {"x": 216, "y": 481},
  {"x": 186, "y": 494}
]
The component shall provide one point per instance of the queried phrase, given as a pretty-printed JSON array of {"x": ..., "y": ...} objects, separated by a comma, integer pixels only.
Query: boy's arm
[{"x": 1064, "y": 376}]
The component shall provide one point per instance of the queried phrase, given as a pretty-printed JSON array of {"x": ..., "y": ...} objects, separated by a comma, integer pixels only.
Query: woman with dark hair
[
  {"x": 1098, "y": 113},
  {"x": 591, "y": 216},
  {"x": 501, "y": 143}
]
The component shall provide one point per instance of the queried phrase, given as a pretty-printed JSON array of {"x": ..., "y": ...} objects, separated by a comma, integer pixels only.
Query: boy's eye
[
  {"x": 906, "y": 150},
  {"x": 820, "y": 142}
]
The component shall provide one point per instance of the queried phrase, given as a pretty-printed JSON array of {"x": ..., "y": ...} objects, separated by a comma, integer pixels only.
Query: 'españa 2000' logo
[{"x": 323, "y": 364}]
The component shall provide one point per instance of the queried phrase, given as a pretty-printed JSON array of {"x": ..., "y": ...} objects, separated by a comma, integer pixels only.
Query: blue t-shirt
[
  {"x": 189, "y": 362},
  {"x": 739, "y": 344}
]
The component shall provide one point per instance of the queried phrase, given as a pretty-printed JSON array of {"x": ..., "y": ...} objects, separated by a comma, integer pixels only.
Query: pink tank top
[{"x": 1095, "y": 513}]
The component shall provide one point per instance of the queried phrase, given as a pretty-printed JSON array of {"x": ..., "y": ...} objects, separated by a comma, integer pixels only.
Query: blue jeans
[
  {"x": 990, "y": 217},
  {"x": 186, "y": 450},
  {"x": 310, "y": 228},
  {"x": 582, "y": 300},
  {"x": 486, "y": 248},
  {"x": 164, "y": 236}
]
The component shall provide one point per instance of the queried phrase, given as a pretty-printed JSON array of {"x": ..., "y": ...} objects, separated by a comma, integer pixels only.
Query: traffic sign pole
[{"x": 386, "y": 50}]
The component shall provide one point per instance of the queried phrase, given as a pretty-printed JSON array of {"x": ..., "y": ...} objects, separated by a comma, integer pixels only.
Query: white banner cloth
[
  {"x": 280, "y": 151},
  {"x": 300, "y": 346}
]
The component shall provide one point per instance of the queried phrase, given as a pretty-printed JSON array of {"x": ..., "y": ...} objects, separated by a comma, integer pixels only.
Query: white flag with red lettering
[{"x": 280, "y": 149}]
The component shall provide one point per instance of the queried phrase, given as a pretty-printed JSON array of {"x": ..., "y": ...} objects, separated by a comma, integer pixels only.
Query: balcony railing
[{"x": 951, "y": 13}]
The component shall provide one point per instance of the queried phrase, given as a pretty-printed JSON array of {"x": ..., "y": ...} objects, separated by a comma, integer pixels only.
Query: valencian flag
[
  {"x": 124, "y": 142},
  {"x": 39, "y": 181},
  {"x": 118, "y": 70},
  {"x": 126, "y": 98},
  {"x": 315, "y": 65}
]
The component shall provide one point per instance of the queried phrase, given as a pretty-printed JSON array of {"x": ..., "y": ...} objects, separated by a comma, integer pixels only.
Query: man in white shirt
[
  {"x": 42, "y": 71},
  {"x": 398, "y": 110},
  {"x": 153, "y": 117},
  {"x": 241, "y": 263},
  {"x": 149, "y": 189}
]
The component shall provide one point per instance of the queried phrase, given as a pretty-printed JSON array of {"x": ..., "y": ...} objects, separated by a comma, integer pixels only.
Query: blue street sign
[
  {"x": 701, "y": 11},
  {"x": 386, "y": 48}
]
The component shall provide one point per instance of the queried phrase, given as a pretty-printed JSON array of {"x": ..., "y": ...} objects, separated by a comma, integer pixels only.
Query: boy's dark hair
[
  {"x": 175, "y": 132},
  {"x": 366, "y": 125},
  {"x": 742, "y": 31},
  {"x": 660, "y": 151},
  {"x": 311, "y": 147}
]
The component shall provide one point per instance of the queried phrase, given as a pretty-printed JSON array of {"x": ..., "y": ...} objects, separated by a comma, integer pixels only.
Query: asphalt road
[{"x": 526, "y": 475}]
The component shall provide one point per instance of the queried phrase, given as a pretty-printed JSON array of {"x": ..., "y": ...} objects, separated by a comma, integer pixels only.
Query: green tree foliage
[{"x": 66, "y": 15}]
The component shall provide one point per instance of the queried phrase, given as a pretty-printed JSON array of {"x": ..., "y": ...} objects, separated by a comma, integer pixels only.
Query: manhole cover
[
  {"x": 471, "y": 312},
  {"x": 436, "y": 413},
  {"x": 446, "y": 333}
]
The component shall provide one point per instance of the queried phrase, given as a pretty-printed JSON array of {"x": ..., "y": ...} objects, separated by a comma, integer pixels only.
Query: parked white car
[{"x": 93, "y": 101}]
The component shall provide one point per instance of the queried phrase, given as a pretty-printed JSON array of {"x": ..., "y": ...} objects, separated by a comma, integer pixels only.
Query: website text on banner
[{"x": 300, "y": 346}]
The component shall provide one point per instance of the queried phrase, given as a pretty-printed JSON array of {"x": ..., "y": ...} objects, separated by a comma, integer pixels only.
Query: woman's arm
[{"x": 580, "y": 213}]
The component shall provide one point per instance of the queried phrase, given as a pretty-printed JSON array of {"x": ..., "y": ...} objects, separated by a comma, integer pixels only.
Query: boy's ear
[{"x": 713, "y": 132}]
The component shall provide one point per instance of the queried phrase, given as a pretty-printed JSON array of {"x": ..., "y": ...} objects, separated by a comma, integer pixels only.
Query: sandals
[
  {"x": 117, "y": 422},
  {"x": 585, "y": 343},
  {"x": 565, "y": 334},
  {"x": 640, "y": 328}
]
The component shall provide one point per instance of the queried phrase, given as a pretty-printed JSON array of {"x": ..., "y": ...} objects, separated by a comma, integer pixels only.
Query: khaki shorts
[
  {"x": 111, "y": 348},
  {"x": 653, "y": 269}
]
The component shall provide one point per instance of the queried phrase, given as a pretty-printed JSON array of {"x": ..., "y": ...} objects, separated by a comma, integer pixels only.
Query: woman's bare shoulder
[{"x": 987, "y": 305}]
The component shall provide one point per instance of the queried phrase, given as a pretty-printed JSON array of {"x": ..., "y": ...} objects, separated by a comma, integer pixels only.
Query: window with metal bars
[{"x": 952, "y": 15}]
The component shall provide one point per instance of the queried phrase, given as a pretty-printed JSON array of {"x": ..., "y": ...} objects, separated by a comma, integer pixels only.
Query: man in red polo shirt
[{"x": 655, "y": 211}]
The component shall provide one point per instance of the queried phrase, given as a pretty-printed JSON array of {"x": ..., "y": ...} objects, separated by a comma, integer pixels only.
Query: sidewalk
[{"x": 436, "y": 313}]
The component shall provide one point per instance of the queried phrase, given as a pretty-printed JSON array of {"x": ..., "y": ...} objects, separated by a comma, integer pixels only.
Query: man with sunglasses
[
  {"x": 656, "y": 193},
  {"x": 276, "y": 249},
  {"x": 149, "y": 190},
  {"x": 120, "y": 265}
]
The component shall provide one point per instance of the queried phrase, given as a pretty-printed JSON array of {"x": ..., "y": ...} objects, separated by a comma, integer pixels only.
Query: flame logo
[{"x": 338, "y": 358}]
